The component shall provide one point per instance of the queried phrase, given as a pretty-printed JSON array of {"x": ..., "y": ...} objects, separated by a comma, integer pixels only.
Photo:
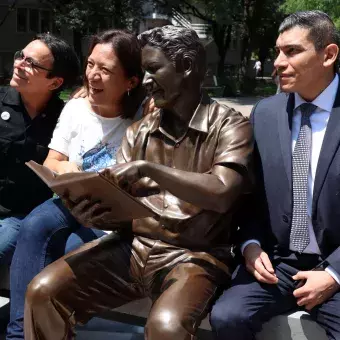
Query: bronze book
[{"x": 124, "y": 207}]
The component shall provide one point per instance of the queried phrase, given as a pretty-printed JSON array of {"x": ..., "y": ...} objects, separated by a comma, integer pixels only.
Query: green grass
[{"x": 264, "y": 89}]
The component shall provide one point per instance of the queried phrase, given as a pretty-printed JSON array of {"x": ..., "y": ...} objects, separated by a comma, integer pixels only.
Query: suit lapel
[
  {"x": 329, "y": 148},
  {"x": 285, "y": 134}
]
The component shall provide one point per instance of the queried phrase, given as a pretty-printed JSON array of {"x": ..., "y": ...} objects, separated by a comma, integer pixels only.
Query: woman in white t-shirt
[{"x": 86, "y": 138}]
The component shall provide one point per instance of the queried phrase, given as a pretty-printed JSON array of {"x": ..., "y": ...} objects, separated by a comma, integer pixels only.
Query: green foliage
[
  {"x": 252, "y": 22},
  {"x": 65, "y": 95},
  {"x": 331, "y": 7},
  {"x": 91, "y": 15}
]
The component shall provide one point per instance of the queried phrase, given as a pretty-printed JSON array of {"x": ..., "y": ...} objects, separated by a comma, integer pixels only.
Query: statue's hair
[{"x": 177, "y": 43}]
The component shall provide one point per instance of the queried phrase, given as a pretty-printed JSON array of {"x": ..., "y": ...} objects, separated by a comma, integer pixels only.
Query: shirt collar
[
  {"x": 325, "y": 100},
  {"x": 199, "y": 120},
  {"x": 12, "y": 97}
]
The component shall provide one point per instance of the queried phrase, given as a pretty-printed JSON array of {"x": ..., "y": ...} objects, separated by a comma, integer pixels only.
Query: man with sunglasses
[{"x": 29, "y": 110}]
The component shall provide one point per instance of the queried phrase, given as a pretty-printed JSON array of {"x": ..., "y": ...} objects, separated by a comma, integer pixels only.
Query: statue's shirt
[{"x": 217, "y": 135}]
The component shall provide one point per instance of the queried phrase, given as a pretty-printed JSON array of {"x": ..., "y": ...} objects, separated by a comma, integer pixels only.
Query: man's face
[
  {"x": 161, "y": 79},
  {"x": 31, "y": 79},
  {"x": 299, "y": 65}
]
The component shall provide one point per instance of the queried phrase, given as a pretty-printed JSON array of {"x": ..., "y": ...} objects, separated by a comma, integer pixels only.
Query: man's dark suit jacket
[{"x": 270, "y": 216}]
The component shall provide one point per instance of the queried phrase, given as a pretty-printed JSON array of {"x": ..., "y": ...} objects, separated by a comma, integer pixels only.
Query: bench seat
[{"x": 294, "y": 326}]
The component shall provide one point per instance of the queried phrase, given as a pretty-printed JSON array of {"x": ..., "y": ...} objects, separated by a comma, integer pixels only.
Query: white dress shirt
[{"x": 319, "y": 119}]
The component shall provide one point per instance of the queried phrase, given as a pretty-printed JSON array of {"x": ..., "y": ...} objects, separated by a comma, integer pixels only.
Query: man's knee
[
  {"x": 228, "y": 315},
  {"x": 167, "y": 324},
  {"x": 40, "y": 290}
]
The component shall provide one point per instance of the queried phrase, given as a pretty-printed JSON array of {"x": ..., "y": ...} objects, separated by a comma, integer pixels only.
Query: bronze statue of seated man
[{"x": 190, "y": 161}]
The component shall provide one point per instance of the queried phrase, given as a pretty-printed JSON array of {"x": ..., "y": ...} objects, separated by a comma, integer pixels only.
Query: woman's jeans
[
  {"x": 9, "y": 231},
  {"x": 43, "y": 237}
]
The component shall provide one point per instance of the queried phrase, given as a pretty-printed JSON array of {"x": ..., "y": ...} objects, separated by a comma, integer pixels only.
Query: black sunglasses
[{"x": 19, "y": 55}]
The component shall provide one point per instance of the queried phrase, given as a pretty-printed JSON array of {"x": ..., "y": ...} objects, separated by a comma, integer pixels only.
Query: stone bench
[{"x": 295, "y": 326}]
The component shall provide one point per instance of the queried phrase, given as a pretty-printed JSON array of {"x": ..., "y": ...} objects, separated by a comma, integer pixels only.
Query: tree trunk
[
  {"x": 222, "y": 38},
  {"x": 247, "y": 81},
  {"x": 77, "y": 37},
  {"x": 263, "y": 54}
]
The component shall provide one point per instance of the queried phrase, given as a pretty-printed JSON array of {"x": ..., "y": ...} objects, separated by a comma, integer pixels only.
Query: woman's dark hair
[
  {"x": 128, "y": 52},
  {"x": 66, "y": 63}
]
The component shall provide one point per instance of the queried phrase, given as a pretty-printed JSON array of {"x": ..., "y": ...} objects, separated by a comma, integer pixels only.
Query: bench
[{"x": 294, "y": 326}]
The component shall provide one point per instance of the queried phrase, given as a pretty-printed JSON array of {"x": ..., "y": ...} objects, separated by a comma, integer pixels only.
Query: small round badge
[{"x": 5, "y": 115}]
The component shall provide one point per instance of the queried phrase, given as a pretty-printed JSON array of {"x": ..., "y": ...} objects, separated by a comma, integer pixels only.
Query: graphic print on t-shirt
[{"x": 100, "y": 157}]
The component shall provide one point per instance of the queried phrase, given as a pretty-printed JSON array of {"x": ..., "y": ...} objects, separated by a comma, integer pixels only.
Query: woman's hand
[
  {"x": 66, "y": 167},
  {"x": 80, "y": 92}
]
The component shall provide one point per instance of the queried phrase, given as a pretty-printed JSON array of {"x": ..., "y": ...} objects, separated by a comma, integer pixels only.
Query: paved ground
[{"x": 242, "y": 104}]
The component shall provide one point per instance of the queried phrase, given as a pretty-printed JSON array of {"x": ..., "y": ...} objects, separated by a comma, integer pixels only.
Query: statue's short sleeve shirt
[{"x": 217, "y": 136}]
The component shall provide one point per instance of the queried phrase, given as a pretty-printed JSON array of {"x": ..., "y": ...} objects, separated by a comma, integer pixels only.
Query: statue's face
[{"x": 161, "y": 79}]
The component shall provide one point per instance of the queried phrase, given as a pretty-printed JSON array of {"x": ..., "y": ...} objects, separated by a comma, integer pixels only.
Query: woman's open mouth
[{"x": 94, "y": 90}]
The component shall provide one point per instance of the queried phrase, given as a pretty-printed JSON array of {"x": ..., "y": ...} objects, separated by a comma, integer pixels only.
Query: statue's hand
[
  {"x": 89, "y": 213},
  {"x": 126, "y": 175}
]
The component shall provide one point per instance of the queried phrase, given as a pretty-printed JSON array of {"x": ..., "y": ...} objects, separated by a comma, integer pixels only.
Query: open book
[{"x": 124, "y": 207}]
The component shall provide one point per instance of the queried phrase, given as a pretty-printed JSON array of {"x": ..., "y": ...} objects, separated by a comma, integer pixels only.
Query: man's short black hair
[
  {"x": 66, "y": 63},
  {"x": 177, "y": 43},
  {"x": 322, "y": 30}
]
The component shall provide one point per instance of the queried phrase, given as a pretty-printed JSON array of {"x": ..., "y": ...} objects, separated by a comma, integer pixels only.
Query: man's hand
[
  {"x": 318, "y": 288},
  {"x": 258, "y": 264},
  {"x": 126, "y": 174}
]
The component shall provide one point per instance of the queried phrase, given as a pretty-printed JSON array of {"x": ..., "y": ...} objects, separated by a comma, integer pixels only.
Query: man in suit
[{"x": 292, "y": 226}]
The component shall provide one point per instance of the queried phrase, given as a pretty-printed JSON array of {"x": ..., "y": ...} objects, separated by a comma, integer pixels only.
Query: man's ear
[
  {"x": 56, "y": 83},
  {"x": 134, "y": 81},
  {"x": 330, "y": 55},
  {"x": 187, "y": 66}
]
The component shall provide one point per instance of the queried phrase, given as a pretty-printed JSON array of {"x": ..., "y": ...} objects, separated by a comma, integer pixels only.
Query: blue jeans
[
  {"x": 42, "y": 239},
  {"x": 9, "y": 231}
]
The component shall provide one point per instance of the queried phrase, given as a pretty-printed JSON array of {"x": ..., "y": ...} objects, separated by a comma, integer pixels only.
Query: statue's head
[{"x": 173, "y": 59}]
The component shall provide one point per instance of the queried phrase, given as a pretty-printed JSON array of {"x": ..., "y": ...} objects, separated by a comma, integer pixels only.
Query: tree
[
  {"x": 88, "y": 16},
  {"x": 260, "y": 24},
  {"x": 250, "y": 21},
  {"x": 331, "y": 7},
  {"x": 221, "y": 15}
]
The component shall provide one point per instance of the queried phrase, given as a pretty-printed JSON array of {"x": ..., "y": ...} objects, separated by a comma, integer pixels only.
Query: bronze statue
[{"x": 189, "y": 160}]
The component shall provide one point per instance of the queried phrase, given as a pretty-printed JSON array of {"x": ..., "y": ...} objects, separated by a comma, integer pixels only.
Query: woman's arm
[{"x": 59, "y": 163}]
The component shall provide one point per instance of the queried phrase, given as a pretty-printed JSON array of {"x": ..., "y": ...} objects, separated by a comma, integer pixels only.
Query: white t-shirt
[
  {"x": 86, "y": 138},
  {"x": 258, "y": 65}
]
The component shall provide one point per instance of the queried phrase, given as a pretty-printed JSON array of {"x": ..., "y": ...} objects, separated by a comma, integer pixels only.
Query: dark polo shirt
[
  {"x": 23, "y": 139},
  {"x": 217, "y": 136}
]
